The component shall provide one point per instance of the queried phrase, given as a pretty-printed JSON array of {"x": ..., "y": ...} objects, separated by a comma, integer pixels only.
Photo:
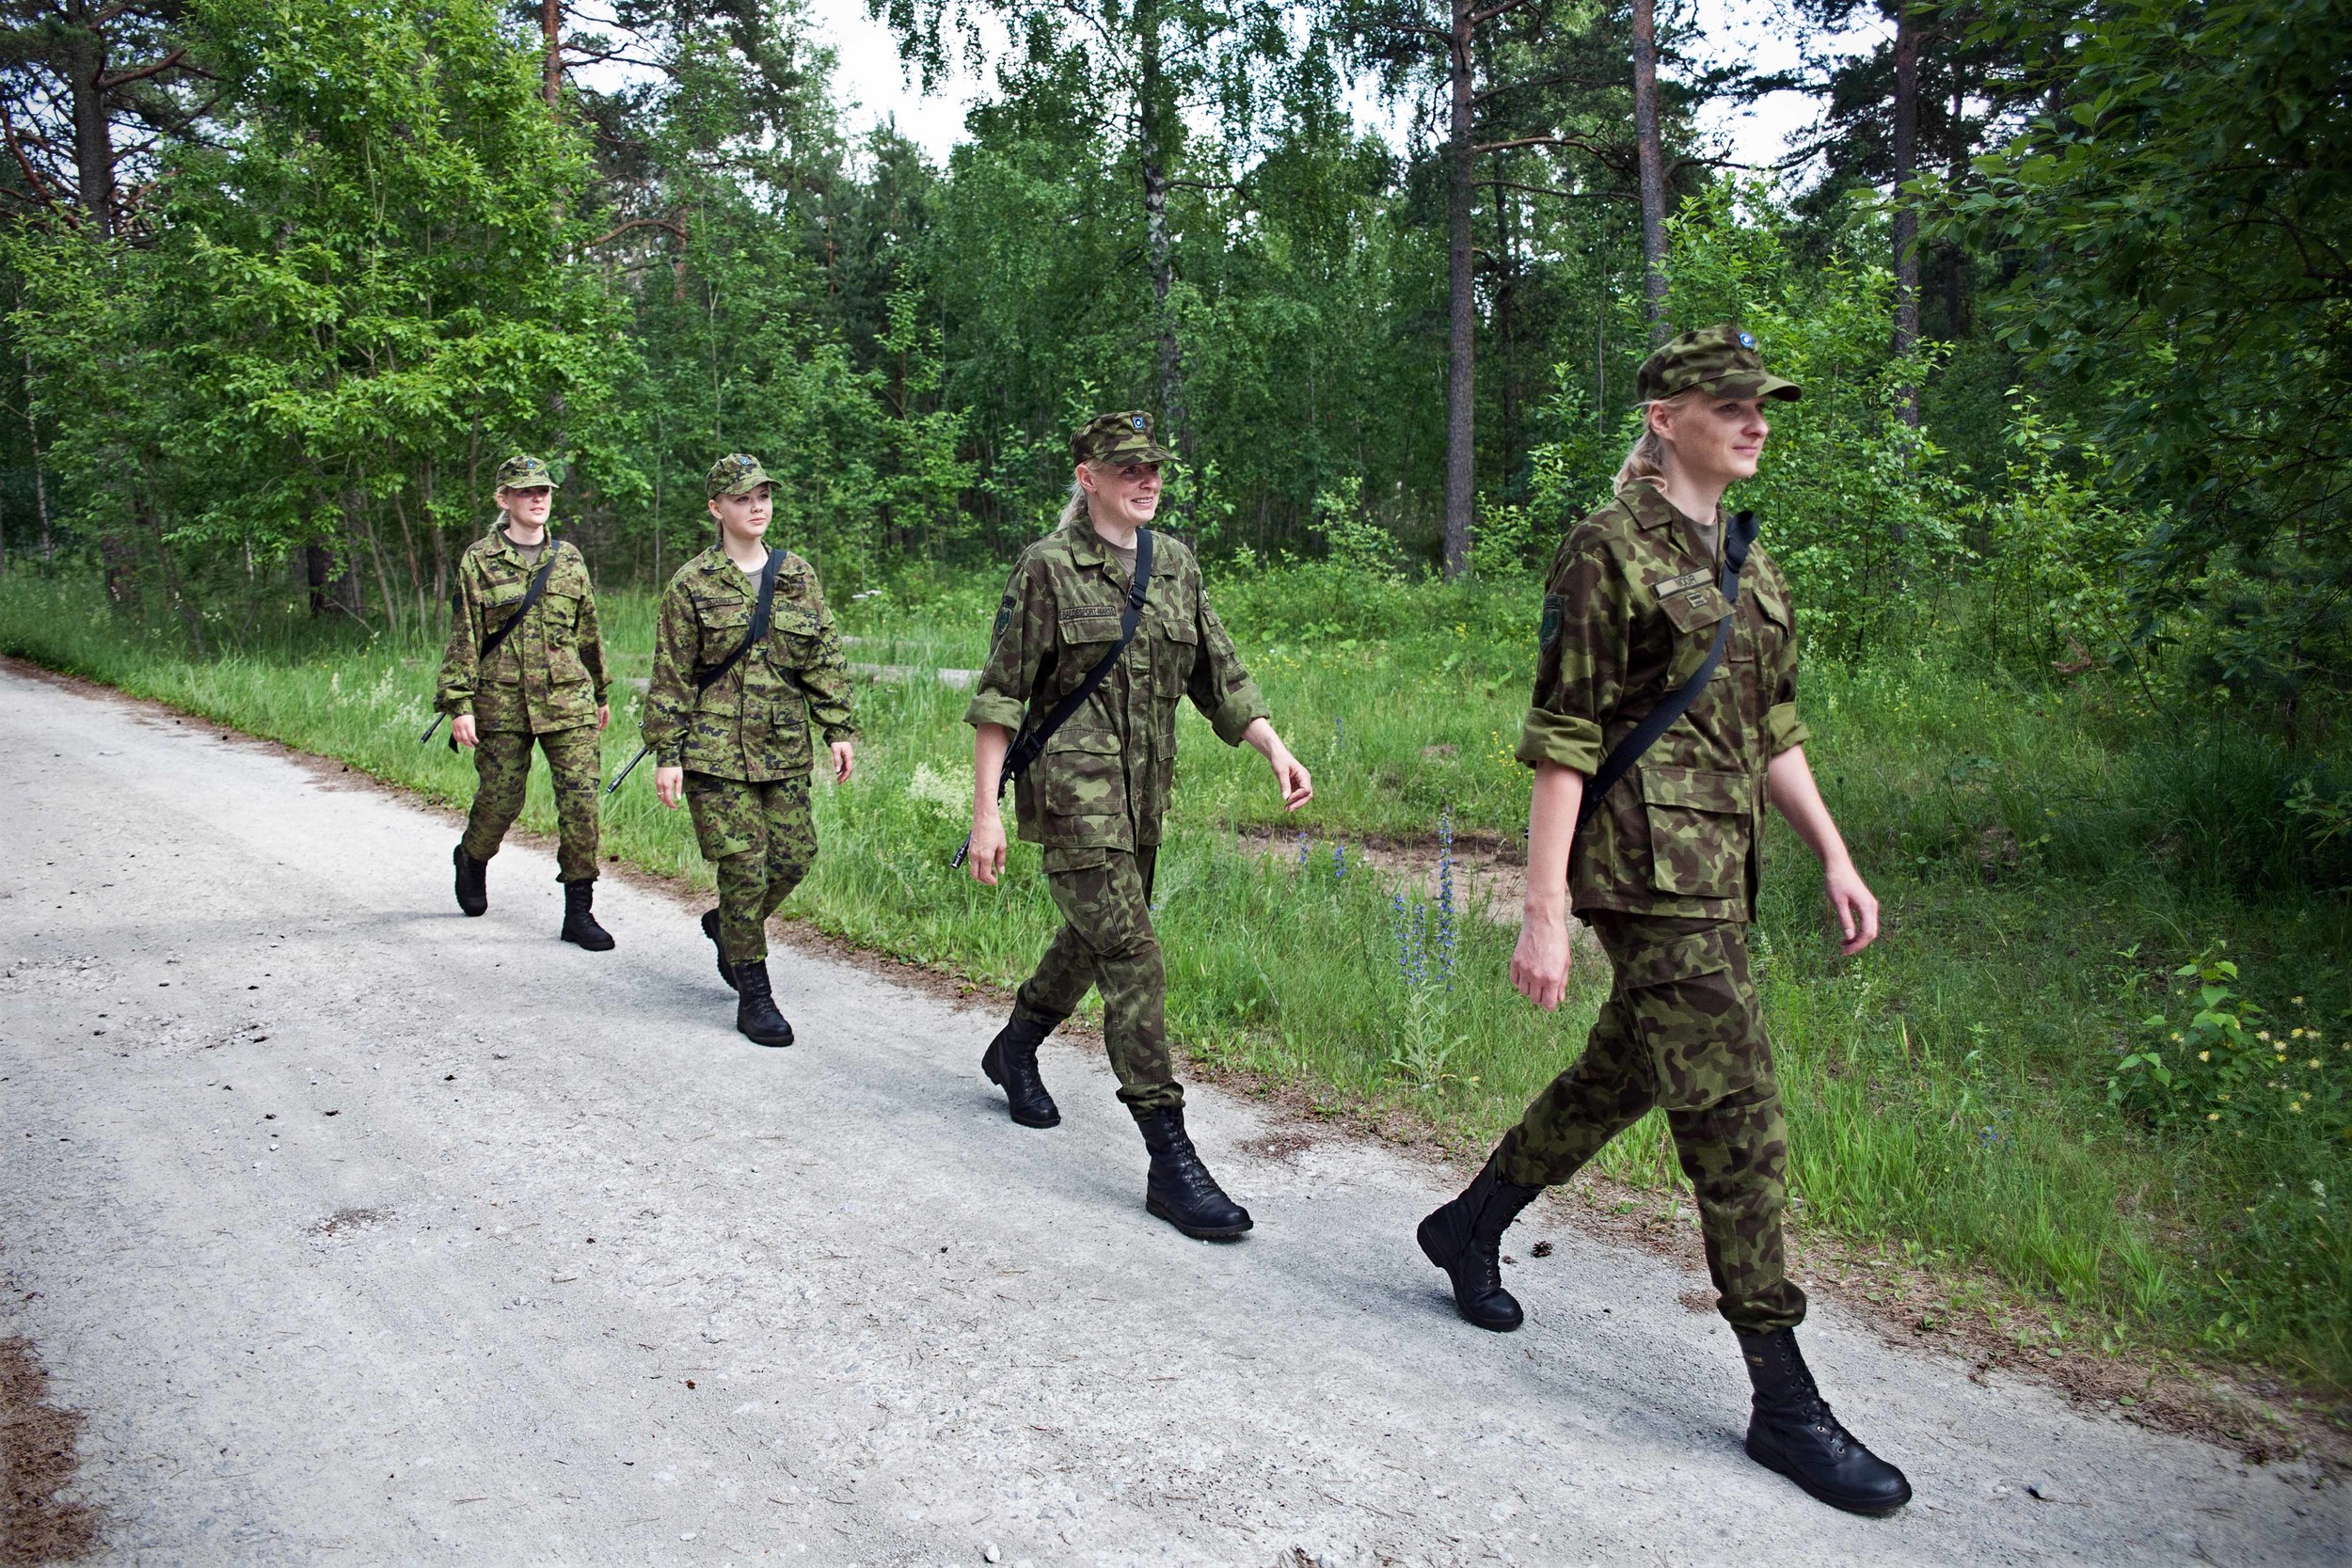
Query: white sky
[{"x": 870, "y": 85}]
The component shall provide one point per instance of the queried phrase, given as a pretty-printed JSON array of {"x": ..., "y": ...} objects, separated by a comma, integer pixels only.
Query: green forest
[{"x": 2067, "y": 507}]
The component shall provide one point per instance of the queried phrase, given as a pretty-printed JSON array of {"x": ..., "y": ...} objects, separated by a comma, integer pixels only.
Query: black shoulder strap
[
  {"x": 1738, "y": 537},
  {"x": 532, "y": 591},
  {"x": 760, "y": 614},
  {"x": 1031, "y": 742}
]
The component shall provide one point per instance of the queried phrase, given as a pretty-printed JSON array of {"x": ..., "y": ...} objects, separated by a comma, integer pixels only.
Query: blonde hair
[
  {"x": 1645, "y": 460},
  {"x": 1075, "y": 507}
]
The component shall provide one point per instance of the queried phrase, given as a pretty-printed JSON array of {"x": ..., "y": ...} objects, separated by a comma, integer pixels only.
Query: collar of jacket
[
  {"x": 1652, "y": 510},
  {"x": 1088, "y": 549},
  {"x": 499, "y": 542},
  {"x": 715, "y": 563}
]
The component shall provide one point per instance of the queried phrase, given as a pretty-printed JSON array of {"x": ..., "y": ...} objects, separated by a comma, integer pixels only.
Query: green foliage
[{"x": 2176, "y": 227}]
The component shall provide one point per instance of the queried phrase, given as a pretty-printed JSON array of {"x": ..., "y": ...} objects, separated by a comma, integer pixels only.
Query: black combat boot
[
  {"x": 1180, "y": 1188},
  {"x": 1011, "y": 1063},
  {"x": 579, "y": 920},
  {"x": 1792, "y": 1432},
  {"x": 473, "y": 893},
  {"x": 1465, "y": 1236},
  {"x": 710, "y": 929},
  {"x": 755, "y": 1015}
]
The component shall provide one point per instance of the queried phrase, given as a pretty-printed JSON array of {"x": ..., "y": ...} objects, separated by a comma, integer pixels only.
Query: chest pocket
[
  {"x": 1175, "y": 648},
  {"x": 724, "y": 619},
  {"x": 1775, "y": 625},
  {"x": 795, "y": 639}
]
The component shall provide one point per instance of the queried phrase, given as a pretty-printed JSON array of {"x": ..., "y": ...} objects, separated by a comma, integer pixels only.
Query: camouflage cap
[
  {"x": 1118, "y": 438},
  {"x": 736, "y": 474},
  {"x": 525, "y": 473},
  {"x": 1721, "y": 361}
]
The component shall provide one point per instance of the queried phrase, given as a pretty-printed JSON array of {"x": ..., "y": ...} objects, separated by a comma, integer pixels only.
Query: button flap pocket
[
  {"x": 1688, "y": 787},
  {"x": 1683, "y": 956},
  {"x": 1100, "y": 742},
  {"x": 1178, "y": 629},
  {"x": 1088, "y": 623},
  {"x": 1694, "y": 607}
]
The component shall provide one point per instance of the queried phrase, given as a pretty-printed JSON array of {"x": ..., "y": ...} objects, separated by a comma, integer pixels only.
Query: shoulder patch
[
  {"x": 1555, "y": 610},
  {"x": 1004, "y": 619}
]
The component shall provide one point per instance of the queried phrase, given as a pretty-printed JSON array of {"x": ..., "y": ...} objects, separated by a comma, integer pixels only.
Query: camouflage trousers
[
  {"x": 502, "y": 760},
  {"x": 1681, "y": 1031},
  {"x": 760, "y": 839},
  {"x": 1106, "y": 941}
]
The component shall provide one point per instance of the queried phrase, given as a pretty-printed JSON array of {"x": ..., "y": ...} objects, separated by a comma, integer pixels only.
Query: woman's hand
[
  {"x": 669, "y": 785},
  {"x": 1290, "y": 774},
  {"x": 844, "y": 761},
  {"x": 461, "y": 730},
  {"x": 1539, "y": 965},
  {"x": 984, "y": 849},
  {"x": 604, "y": 716},
  {"x": 1852, "y": 906}
]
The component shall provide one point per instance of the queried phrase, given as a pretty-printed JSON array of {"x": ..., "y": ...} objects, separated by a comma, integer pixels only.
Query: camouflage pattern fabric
[
  {"x": 1106, "y": 777},
  {"x": 753, "y": 723},
  {"x": 1630, "y": 609},
  {"x": 1119, "y": 439},
  {"x": 549, "y": 674},
  {"x": 1683, "y": 1031},
  {"x": 525, "y": 473},
  {"x": 1106, "y": 941},
  {"x": 738, "y": 473},
  {"x": 502, "y": 762},
  {"x": 1720, "y": 361},
  {"x": 760, "y": 839}
]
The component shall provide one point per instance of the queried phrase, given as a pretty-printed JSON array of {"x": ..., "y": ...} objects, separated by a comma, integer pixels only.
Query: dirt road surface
[{"x": 365, "y": 1233}]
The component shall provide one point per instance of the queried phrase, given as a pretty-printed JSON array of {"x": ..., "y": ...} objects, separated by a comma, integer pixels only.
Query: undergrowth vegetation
[{"x": 2100, "y": 1056}]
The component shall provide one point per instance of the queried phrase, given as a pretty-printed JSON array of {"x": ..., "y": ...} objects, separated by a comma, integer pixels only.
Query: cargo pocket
[
  {"x": 1082, "y": 774},
  {"x": 1699, "y": 825}
]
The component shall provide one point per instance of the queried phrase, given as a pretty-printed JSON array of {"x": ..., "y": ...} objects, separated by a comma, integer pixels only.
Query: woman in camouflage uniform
[
  {"x": 1665, "y": 872},
  {"x": 545, "y": 681},
  {"x": 738, "y": 749},
  {"x": 1094, "y": 798}
]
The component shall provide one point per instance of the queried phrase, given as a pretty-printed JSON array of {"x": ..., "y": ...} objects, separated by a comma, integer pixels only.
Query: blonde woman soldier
[
  {"x": 525, "y": 663},
  {"x": 1664, "y": 720},
  {"x": 1104, "y": 629},
  {"x": 746, "y": 662}
]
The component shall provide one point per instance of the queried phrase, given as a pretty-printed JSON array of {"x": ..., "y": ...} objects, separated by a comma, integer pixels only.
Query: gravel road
[{"x": 366, "y": 1233}]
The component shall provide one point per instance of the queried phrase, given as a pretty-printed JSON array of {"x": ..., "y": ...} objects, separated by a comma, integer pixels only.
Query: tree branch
[
  {"x": 1479, "y": 18},
  {"x": 140, "y": 73},
  {"x": 668, "y": 225},
  {"x": 1576, "y": 142}
]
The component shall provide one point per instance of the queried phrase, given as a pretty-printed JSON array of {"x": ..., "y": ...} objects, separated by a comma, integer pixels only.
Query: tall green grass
[{"x": 2046, "y": 857}]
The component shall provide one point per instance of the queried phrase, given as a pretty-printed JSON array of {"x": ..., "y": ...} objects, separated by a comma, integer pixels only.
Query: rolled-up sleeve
[
  {"x": 1025, "y": 630},
  {"x": 1783, "y": 729},
  {"x": 670, "y": 695},
  {"x": 1579, "y": 665}
]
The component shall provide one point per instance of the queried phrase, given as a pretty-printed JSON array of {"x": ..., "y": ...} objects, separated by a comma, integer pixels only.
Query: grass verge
[{"x": 1978, "y": 1097}]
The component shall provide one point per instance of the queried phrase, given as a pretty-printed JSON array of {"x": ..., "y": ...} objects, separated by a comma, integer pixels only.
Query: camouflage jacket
[
  {"x": 1105, "y": 776},
  {"x": 1629, "y": 610},
  {"x": 753, "y": 722},
  {"x": 549, "y": 674}
]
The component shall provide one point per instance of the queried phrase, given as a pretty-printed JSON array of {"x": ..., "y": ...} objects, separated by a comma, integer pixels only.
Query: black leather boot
[
  {"x": 1465, "y": 1237},
  {"x": 710, "y": 929},
  {"x": 1180, "y": 1188},
  {"x": 579, "y": 920},
  {"x": 1011, "y": 1063},
  {"x": 755, "y": 1015},
  {"x": 1792, "y": 1432},
  {"x": 473, "y": 892}
]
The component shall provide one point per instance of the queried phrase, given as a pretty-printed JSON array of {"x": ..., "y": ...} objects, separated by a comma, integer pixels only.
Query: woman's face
[
  {"x": 743, "y": 520},
  {"x": 1714, "y": 439},
  {"x": 527, "y": 508},
  {"x": 1128, "y": 494}
]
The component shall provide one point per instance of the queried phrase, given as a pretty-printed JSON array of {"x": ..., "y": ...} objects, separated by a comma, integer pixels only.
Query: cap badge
[
  {"x": 1747, "y": 339},
  {"x": 1138, "y": 420}
]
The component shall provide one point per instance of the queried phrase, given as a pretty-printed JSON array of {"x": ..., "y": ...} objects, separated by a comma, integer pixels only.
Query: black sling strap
[
  {"x": 761, "y": 613},
  {"x": 490, "y": 644},
  {"x": 1738, "y": 538},
  {"x": 1030, "y": 744}
]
